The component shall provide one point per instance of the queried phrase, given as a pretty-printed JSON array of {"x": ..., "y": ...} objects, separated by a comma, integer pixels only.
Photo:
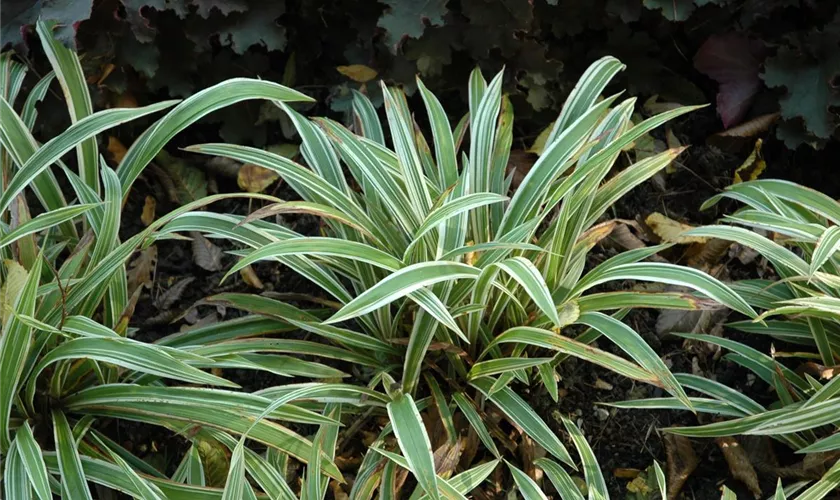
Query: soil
[{"x": 624, "y": 438}]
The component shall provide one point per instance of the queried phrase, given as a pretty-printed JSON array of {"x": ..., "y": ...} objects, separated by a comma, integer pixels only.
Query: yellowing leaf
[
  {"x": 148, "y": 215},
  {"x": 16, "y": 276},
  {"x": 116, "y": 150},
  {"x": 250, "y": 277},
  {"x": 539, "y": 143},
  {"x": 254, "y": 179},
  {"x": 670, "y": 230},
  {"x": 358, "y": 72},
  {"x": 752, "y": 167}
]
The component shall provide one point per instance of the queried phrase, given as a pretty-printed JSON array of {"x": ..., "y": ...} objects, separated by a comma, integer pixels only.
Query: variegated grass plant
[
  {"x": 796, "y": 230},
  {"x": 68, "y": 368},
  {"x": 450, "y": 289}
]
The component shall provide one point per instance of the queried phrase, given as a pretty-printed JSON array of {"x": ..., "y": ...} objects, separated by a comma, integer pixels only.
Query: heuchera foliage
[{"x": 783, "y": 49}]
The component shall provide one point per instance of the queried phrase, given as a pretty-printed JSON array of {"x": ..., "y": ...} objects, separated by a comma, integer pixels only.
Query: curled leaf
[
  {"x": 739, "y": 463},
  {"x": 752, "y": 167}
]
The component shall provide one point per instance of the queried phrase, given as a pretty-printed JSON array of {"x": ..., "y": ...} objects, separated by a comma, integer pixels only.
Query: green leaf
[
  {"x": 408, "y": 20},
  {"x": 634, "y": 345},
  {"x": 591, "y": 470},
  {"x": 29, "y": 452},
  {"x": 402, "y": 283},
  {"x": 333, "y": 247},
  {"x": 221, "y": 95},
  {"x": 524, "y": 417},
  {"x": 14, "y": 349},
  {"x": 236, "y": 483},
  {"x": 190, "y": 470},
  {"x": 670, "y": 274},
  {"x": 15, "y": 480},
  {"x": 550, "y": 340},
  {"x": 44, "y": 221},
  {"x": 809, "y": 93},
  {"x": 672, "y": 10},
  {"x": 827, "y": 246},
  {"x": 68, "y": 69},
  {"x": 527, "y": 487},
  {"x": 128, "y": 354},
  {"x": 503, "y": 365},
  {"x": 53, "y": 150},
  {"x": 29, "y": 113},
  {"x": 472, "y": 416},
  {"x": 73, "y": 480},
  {"x": 414, "y": 442},
  {"x": 560, "y": 479},
  {"x": 147, "y": 489}
]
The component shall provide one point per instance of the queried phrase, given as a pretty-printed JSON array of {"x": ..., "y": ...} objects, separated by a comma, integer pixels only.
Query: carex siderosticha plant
[
  {"x": 450, "y": 289},
  {"x": 796, "y": 229}
]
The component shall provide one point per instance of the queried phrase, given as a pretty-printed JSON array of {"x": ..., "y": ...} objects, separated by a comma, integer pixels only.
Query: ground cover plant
[
  {"x": 69, "y": 363},
  {"x": 795, "y": 229},
  {"x": 455, "y": 292},
  {"x": 445, "y": 287}
]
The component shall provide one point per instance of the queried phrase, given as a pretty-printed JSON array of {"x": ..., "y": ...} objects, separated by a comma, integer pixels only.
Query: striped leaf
[
  {"x": 73, "y": 480},
  {"x": 414, "y": 442}
]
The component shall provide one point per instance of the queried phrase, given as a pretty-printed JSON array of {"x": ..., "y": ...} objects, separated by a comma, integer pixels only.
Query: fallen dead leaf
[
  {"x": 255, "y": 179},
  {"x": 168, "y": 298},
  {"x": 358, "y": 72},
  {"x": 116, "y": 150},
  {"x": 603, "y": 385},
  {"x": 250, "y": 277},
  {"x": 670, "y": 230},
  {"x": 625, "y": 473},
  {"x": 739, "y": 463},
  {"x": 752, "y": 167},
  {"x": 125, "y": 100},
  {"x": 148, "y": 215},
  {"x": 446, "y": 458},
  {"x": 751, "y": 128},
  {"x": 107, "y": 69},
  {"x": 205, "y": 254},
  {"x": 681, "y": 462},
  {"x": 141, "y": 269}
]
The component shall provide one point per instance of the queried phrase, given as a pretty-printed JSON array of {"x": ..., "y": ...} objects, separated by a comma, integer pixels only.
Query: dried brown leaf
[
  {"x": 681, "y": 462},
  {"x": 751, "y": 128},
  {"x": 255, "y": 179},
  {"x": 446, "y": 458},
  {"x": 625, "y": 473},
  {"x": 141, "y": 269},
  {"x": 116, "y": 150},
  {"x": 250, "y": 277},
  {"x": 148, "y": 215},
  {"x": 670, "y": 230},
  {"x": 205, "y": 254},
  {"x": 739, "y": 463},
  {"x": 168, "y": 298}
]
